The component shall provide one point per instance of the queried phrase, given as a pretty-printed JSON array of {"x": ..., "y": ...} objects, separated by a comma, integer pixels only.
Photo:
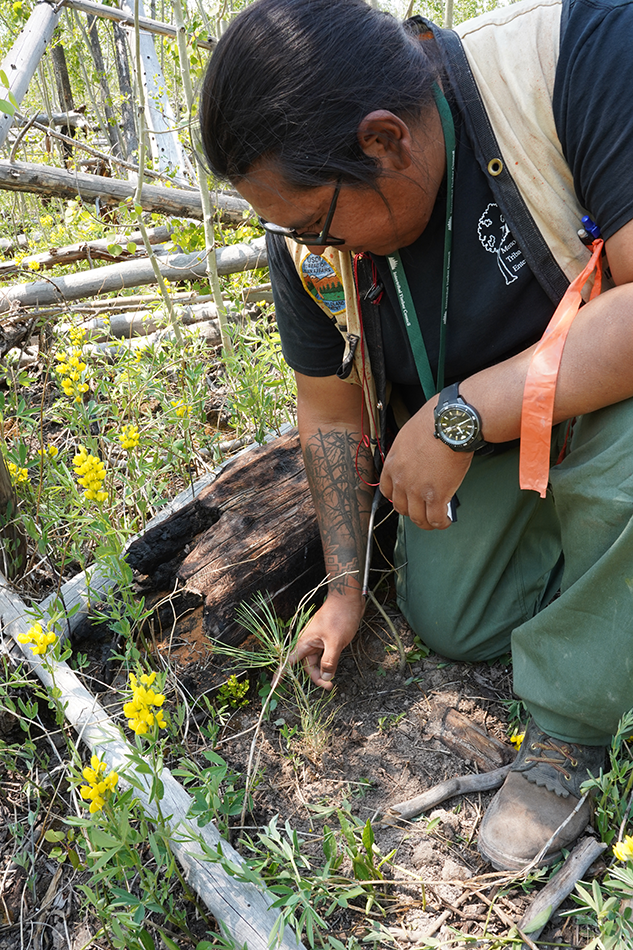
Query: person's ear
[{"x": 386, "y": 138}]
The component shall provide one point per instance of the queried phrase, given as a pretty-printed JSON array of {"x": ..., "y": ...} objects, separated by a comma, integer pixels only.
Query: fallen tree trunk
[
  {"x": 142, "y": 323},
  {"x": 91, "y": 585},
  {"x": 87, "y": 250},
  {"x": 72, "y": 119},
  {"x": 134, "y": 273},
  {"x": 252, "y": 531},
  {"x": 49, "y": 181}
]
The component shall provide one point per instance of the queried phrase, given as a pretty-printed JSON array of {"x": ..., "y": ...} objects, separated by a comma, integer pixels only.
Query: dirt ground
[{"x": 384, "y": 744}]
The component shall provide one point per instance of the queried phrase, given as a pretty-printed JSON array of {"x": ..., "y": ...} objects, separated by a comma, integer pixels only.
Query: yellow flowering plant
[
  {"x": 90, "y": 472},
  {"x": 18, "y": 474},
  {"x": 71, "y": 368},
  {"x": 143, "y": 710},
  {"x": 129, "y": 437},
  {"x": 39, "y": 638},
  {"x": 100, "y": 785},
  {"x": 181, "y": 408},
  {"x": 623, "y": 850}
]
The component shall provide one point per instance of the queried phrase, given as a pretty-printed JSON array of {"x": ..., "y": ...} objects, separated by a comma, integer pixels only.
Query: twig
[
  {"x": 97, "y": 153},
  {"x": 505, "y": 919},
  {"x": 460, "y": 785}
]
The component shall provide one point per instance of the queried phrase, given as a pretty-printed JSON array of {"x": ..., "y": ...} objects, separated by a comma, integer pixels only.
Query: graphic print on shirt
[
  {"x": 323, "y": 283},
  {"x": 495, "y": 237}
]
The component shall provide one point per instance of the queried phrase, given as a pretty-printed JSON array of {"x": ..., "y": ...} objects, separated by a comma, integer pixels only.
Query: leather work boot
[{"x": 540, "y": 792}]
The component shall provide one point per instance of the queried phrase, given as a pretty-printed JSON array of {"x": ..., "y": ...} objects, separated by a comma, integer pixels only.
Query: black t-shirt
[{"x": 496, "y": 306}]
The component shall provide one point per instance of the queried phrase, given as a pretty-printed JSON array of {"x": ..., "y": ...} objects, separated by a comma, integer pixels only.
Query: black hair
[{"x": 291, "y": 80}]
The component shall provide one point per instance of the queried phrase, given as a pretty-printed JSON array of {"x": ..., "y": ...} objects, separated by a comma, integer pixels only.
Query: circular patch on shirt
[{"x": 323, "y": 283}]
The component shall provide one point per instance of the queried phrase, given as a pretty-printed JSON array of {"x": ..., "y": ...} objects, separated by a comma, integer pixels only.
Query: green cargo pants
[{"x": 486, "y": 584}]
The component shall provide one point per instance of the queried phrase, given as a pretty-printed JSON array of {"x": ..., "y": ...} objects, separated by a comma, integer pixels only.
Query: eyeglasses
[{"x": 306, "y": 237}]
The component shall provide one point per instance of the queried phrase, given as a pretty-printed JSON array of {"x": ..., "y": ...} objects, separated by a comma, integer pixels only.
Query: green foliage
[
  {"x": 234, "y": 692},
  {"x": 261, "y": 387},
  {"x": 218, "y": 793}
]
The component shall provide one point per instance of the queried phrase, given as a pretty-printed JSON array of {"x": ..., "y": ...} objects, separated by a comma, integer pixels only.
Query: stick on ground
[{"x": 460, "y": 785}]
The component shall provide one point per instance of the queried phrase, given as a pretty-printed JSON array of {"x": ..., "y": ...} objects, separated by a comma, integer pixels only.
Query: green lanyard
[{"x": 400, "y": 278}]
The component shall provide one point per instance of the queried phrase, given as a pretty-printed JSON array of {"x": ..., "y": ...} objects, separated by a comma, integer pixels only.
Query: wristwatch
[{"x": 457, "y": 423}]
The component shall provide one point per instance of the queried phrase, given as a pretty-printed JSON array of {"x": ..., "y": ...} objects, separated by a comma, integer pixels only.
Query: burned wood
[
  {"x": 264, "y": 539},
  {"x": 156, "y": 547},
  {"x": 14, "y": 332},
  {"x": 12, "y": 534},
  {"x": 48, "y": 181},
  {"x": 462, "y": 736}
]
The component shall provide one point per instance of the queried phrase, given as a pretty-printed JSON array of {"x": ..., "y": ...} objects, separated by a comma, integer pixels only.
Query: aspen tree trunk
[
  {"x": 207, "y": 210},
  {"x": 25, "y": 54},
  {"x": 106, "y": 96},
  {"x": 160, "y": 120},
  {"x": 64, "y": 95},
  {"x": 128, "y": 120},
  {"x": 62, "y": 81}
]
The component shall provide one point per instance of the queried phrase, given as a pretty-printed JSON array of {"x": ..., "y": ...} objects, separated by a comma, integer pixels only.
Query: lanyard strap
[{"x": 400, "y": 278}]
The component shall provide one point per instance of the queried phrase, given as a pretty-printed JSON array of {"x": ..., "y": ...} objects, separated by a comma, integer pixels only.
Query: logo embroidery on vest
[
  {"x": 323, "y": 283},
  {"x": 495, "y": 237}
]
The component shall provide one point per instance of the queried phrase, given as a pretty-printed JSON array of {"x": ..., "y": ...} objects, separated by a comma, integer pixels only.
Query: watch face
[{"x": 458, "y": 425}]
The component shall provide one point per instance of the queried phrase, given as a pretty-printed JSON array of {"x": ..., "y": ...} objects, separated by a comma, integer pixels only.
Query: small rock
[
  {"x": 452, "y": 871},
  {"x": 425, "y": 853},
  {"x": 448, "y": 819}
]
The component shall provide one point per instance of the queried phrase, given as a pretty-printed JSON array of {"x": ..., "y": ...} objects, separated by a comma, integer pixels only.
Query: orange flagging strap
[{"x": 537, "y": 411}]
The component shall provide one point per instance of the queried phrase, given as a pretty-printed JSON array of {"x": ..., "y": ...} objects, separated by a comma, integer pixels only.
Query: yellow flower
[
  {"x": 143, "y": 710},
  {"x": 18, "y": 475},
  {"x": 129, "y": 437},
  {"x": 100, "y": 786},
  {"x": 39, "y": 639},
  {"x": 623, "y": 850},
  {"x": 51, "y": 450},
  {"x": 77, "y": 336},
  {"x": 517, "y": 739},
  {"x": 181, "y": 407},
  {"x": 34, "y": 265},
  {"x": 71, "y": 366},
  {"x": 90, "y": 473}
]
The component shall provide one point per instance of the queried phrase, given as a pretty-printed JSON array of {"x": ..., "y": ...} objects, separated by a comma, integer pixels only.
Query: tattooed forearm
[{"x": 342, "y": 501}]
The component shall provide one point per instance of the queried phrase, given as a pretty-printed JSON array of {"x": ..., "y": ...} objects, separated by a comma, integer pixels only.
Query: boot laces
[{"x": 553, "y": 753}]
